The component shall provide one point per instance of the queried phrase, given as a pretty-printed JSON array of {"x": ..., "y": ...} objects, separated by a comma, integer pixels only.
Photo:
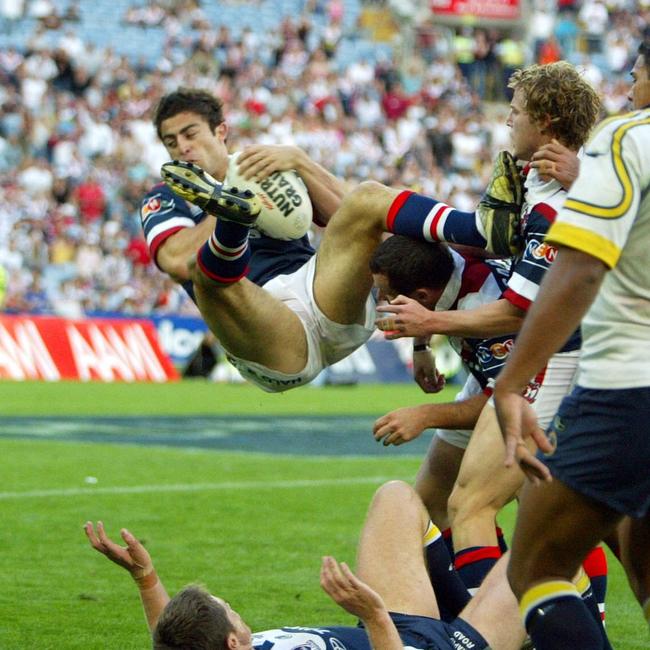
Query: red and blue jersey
[
  {"x": 475, "y": 282},
  {"x": 543, "y": 201},
  {"x": 163, "y": 213}
]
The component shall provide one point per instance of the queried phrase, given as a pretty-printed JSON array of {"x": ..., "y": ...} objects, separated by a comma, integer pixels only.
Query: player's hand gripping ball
[{"x": 286, "y": 207}]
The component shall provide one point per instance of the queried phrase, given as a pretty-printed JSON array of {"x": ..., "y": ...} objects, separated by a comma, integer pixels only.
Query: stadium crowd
[{"x": 77, "y": 150}]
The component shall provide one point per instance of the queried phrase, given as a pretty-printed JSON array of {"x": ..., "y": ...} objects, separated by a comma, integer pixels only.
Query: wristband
[
  {"x": 146, "y": 581},
  {"x": 421, "y": 347}
]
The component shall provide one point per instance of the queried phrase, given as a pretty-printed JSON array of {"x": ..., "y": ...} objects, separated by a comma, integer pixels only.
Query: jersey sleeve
[
  {"x": 603, "y": 202},
  {"x": 163, "y": 213},
  {"x": 528, "y": 272}
]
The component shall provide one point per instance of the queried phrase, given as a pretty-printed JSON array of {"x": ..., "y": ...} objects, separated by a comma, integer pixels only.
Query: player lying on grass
[{"x": 391, "y": 594}]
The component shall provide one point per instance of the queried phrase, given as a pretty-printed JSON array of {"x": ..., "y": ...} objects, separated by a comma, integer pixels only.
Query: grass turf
[{"x": 250, "y": 526}]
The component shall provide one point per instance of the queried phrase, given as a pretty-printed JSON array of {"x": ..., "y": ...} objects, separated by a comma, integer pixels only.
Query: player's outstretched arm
[
  {"x": 406, "y": 317},
  {"x": 407, "y": 423},
  {"x": 357, "y": 598},
  {"x": 325, "y": 190},
  {"x": 137, "y": 561}
]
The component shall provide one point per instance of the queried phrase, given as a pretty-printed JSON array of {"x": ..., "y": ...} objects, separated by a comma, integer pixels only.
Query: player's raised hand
[
  {"x": 400, "y": 426},
  {"x": 261, "y": 160},
  {"x": 518, "y": 422},
  {"x": 404, "y": 317},
  {"x": 554, "y": 160},
  {"x": 134, "y": 557},
  {"x": 346, "y": 590}
]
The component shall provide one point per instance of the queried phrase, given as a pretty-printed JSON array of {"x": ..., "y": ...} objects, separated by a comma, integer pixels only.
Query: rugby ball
[{"x": 286, "y": 207}]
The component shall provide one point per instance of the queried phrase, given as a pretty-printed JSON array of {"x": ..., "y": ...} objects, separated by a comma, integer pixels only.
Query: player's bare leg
[
  {"x": 436, "y": 478},
  {"x": 634, "y": 542},
  {"x": 545, "y": 558},
  {"x": 252, "y": 324},
  {"x": 343, "y": 280},
  {"x": 249, "y": 322},
  {"x": 390, "y": 560},
  {"x": 494, "y": 611},
  {"x": 483, "y": 487},
  {"x": 390, "y": 555}
]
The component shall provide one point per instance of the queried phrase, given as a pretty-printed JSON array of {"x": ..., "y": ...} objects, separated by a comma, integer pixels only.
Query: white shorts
[
  {"x": 327, "y": 341},
  {"x": 460, "y": 437}
]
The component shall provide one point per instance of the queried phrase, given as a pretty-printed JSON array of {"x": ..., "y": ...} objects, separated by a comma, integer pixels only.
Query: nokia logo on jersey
[
  {"x": 499, "y": 350},
  {"x": 541, "y": 250}
]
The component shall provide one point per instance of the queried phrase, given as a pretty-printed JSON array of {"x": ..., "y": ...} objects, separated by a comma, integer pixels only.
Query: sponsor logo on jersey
[
  {"x": 461, "y": 641},
  {"x": 545, "y": 251},
  {"x": 499, "y": 350},
  {"x": 155, "y": 205}
]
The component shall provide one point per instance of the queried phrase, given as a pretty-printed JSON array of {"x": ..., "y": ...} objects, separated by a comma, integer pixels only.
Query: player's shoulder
[{"x": 612, "y": 131}]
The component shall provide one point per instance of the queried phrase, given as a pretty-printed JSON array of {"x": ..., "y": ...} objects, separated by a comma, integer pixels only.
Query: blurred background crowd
[{"x": 371, "y": 90}]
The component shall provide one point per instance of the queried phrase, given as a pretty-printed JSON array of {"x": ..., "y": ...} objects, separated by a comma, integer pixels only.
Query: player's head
[
  {"x": 550, "y": 101},
  {"x": 640, "y": 91},
  {"x": 417, "y": 269},
  {"x": 195, "y": 619},
  {"x": 191, "y": 126}
]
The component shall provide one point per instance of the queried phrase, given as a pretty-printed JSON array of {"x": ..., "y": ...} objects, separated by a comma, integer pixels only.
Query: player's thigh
[
  {"x": 343, "y": 277},
  {"x": 483, "y": 479},
  {"x": 253, "y": 324},
  {"x": 390, "y": 556},
  {"x": 436, "y": 477},
  {"x": 556, "y": 528}
]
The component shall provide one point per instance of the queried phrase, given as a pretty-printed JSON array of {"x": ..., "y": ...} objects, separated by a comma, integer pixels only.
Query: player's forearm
[
  {"x": 326, "y": 191},
  {"x": 567, "y": 291},
  {"x": 493, "y": 319},
  {"x": 382, "y": 632},
  {"x": 454, "y": 415},
  {"x": 154, "y": 598},
  {"x": 175, "y": 252}
]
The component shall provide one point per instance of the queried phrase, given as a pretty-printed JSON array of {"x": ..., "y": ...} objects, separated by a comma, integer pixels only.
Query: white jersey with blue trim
[
  {"x": 307, "y": 638},
  {"x": 303, "y": 638},
  {"x": 607, "y": 215}
]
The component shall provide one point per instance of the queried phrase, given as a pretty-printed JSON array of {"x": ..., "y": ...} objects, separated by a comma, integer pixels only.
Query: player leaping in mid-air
[{"x": 282, "y": 327}]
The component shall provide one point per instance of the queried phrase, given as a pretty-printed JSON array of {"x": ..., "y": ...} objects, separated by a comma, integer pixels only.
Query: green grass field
[{"x": 251, "y": 526}]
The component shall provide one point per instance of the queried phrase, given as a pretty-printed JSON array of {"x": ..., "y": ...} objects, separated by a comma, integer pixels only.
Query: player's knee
[
  {"x": 366, "y": 203},
  {"x": 394, "y": 494}
]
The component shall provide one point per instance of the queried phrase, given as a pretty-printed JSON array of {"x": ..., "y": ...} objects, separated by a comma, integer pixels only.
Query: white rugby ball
[{"x": 286, "y": 207}]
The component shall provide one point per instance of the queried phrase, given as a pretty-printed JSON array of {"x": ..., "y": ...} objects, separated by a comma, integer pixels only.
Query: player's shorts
[
  {"x": 460, "y": 437},
  {"x": 546, "y": 391},
  {"x": 602, "y": 449},
  {"x": 327, "y": 341}
]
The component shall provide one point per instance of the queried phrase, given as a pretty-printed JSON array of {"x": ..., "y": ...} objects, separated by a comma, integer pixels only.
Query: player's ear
[
  {"x": 221, "y": 131},
  {"x": 231, "y": 641},
  {"x": 426, "y": 296}
]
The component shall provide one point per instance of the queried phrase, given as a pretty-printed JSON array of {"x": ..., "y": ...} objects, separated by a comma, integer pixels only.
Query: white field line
[{"x": 192, "y": 487}]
